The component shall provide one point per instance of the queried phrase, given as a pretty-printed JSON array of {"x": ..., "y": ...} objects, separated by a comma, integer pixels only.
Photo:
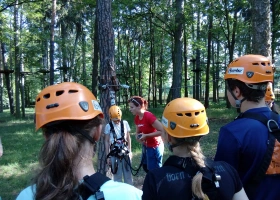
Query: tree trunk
[
  {"x": 178, "y": 50},
  {"x": 17, "y": 61},
  {"x": 8, "y": 81},
  {"x": 83, "y": 77},
  {"x": 186, "y": 62},
  {"x": 1, "y": 68},
  {"x": 275, "y": 6},
  {"x": 107, "y": 66},
  {"x": 21, "y": 76},
  {"x": 261, "y": 30},
  {"x": 197, "y": 60},
  {"x": 94, "y": 74},
  {"x": 52, "y": 42},
  {"x": 209, "y": 47}
]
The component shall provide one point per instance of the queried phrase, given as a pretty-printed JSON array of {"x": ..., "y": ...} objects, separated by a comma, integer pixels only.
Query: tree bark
[
  {"x": 261, "y": 29},
  {"x": 17, "y": 61},
  {"x": 107, "y": 66},
  {"x": 178, "y": 50},
  {"x": 209, "y": 48},
  {"x": 52, "y": 42}
]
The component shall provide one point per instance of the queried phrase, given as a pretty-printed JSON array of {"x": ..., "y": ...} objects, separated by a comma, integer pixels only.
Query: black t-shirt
[{"x": 173, "y": 182}]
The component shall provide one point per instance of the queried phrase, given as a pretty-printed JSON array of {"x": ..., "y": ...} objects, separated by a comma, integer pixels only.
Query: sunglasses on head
[{"x": 133, "y": 100}]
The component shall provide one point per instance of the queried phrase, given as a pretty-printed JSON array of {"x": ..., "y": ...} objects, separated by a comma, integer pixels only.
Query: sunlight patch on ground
[{"x": 10, "y": 169}]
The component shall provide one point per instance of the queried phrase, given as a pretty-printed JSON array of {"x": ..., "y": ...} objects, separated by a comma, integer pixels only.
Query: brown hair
[
  {"x": 56, "y": 178},
  {"x": 139, "y": 101}
]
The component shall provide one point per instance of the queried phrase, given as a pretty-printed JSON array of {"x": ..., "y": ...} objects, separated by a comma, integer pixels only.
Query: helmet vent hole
[
  {"x": 39, "y": 99},
  {"x": 46, "y": 96},
  {"x": 179, "y": 114},
  {"x": 196, "y": 113},
  {"x": 58, "y": 93},
  {"x": 72, "y": 91},
  {"x": 255, "y": 63},
  {"x": 188, "y": 114}
]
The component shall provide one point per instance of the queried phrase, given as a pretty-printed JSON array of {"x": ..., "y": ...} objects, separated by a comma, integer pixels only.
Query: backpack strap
[
  {"x": 210, "y": 180},
  {"x": 91, "y": 186},
  {"x": 273, "y": 129}
]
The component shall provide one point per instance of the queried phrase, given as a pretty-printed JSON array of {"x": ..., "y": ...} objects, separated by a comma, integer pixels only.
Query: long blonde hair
[{"x": 194, "y": 148}]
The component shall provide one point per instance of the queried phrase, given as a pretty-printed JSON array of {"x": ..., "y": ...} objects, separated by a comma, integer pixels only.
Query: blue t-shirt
[
  {"x": 242, "y": 143},
  {"x": 112, "y": 191}
]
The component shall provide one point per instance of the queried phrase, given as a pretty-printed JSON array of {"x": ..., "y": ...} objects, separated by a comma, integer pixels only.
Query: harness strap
[
  {"x": 92, "y": 184},
  {"x": 273, "y": 132},
  {"x": 114, "y": 132}
]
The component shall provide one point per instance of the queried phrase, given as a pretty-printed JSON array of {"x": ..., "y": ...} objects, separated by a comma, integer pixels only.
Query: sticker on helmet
[
  {"x": 172, "y": 125},
  {"x": 250, "y": 74},
  {"x": 236, "y": 70},
  {"x": 96, "y": 105},
  {"x": 84, "y": 105},
  {"x": 164, "y": 121}
]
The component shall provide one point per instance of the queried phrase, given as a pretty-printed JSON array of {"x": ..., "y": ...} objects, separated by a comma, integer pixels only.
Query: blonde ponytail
[{"x": 197, "y": 155}]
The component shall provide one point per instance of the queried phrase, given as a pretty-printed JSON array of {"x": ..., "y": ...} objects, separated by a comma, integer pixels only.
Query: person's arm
[
  {"x": 128, "y": 139},
  {"x": 240, "y": 195},
  {"x": 158, "y": 126},
  {"x": 227, "y": 148},
  {"x": 107, "y": 146}
]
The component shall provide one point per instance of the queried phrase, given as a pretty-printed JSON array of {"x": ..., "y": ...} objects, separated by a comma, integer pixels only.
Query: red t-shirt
[{"x": 145, "y": 126}]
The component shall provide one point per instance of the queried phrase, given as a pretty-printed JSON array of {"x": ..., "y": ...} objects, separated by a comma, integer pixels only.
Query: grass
[{"x": 21, "y": 146}]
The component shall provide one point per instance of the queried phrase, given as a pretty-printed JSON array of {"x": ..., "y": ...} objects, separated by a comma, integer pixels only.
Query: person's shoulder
[
  {"x": 149, "y": 114},
  {"x": 118, "y": 190},
  {"x": 27, "y": 193},
  {"x": 124, "y": 121}
]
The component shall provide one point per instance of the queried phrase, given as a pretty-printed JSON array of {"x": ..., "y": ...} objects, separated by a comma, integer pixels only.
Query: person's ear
[
  {"x": 237, "y": 92},
  {"x": 97, "y": 132}
]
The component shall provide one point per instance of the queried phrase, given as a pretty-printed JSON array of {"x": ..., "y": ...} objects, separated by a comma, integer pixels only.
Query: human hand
[
  {"x": 109, "y": 161},
  {"x": 130, "y": 155},
  {"x": 138, "y": 136}
]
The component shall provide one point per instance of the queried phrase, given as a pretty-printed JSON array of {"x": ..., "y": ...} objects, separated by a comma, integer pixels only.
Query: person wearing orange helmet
[
  {"x": 270, "y": 99},
  {"x": 187, "y": 174},
  {"x": 118, "y": 146},
  {"x": 71, "y": 121},
  {"x": 243, "y": 143}
]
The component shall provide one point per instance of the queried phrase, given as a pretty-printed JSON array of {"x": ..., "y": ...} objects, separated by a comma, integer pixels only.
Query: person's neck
[
  {"x": 141, "y": 114},
  {"x": 85, "y": 167},
  {"x": 247, "y": 105},
  {"x": 181, "y": 152}
]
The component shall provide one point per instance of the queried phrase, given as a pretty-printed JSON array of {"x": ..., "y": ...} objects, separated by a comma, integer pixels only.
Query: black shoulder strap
[
  {"x": 92, "y": 184},
  {"x": 273, "y": 131},
  {"x": 122, "y": 129},
  {"x": 210, "y": 180},
  {"x": 113, "y": 130}
]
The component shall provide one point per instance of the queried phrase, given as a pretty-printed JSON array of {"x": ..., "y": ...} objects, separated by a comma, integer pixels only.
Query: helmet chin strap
[{"x": 237, "y": 101}]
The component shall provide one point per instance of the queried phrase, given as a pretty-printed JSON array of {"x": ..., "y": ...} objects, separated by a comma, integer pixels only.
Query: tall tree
[
  {"x": 261, "y": 28},
  {"x": 17, "y": 59},
  {"x": 178, "y": 50},
  {"x": 52, "y": 42},
  {"x": 107, "y": 66}
]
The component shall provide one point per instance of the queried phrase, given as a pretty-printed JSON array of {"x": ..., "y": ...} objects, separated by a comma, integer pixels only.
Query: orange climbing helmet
[
  {"x": 185, "y": 117},
  {"x": 250, "y": 69},
  {"x": 269, "y": 94},
  {"x": 115, "y": 113},
  {"x": 65, "y": 101}
]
